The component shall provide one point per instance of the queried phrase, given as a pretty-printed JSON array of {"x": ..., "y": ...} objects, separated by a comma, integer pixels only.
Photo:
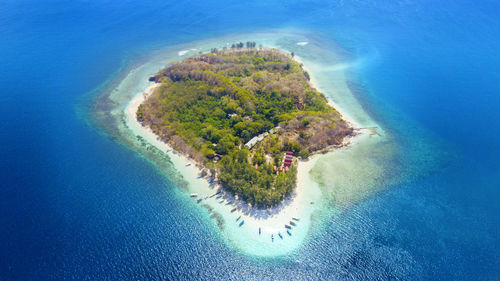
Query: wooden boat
[
  {"x": 279, "y": 234},
  {"x": 234, "y": 209},
  {"x": 242, "y": 222},
  {"x": 194, "y": 194},
  {"x": 292, "y": 223},
  {"x": 199, "y": 200},
  {"x": 238, "y": 218},
  {"x": 188, "y": 164},
  {"x": 295, "y": 219},
  {"x": 287, "y": 226},
  {"x": 217, "y": 193},
  {"x": 259, "y": 231},
  {"x": 289, "y": 233}
]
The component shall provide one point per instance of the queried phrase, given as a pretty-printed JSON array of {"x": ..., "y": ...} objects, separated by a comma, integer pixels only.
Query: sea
[{"x": 79, "y": 203}]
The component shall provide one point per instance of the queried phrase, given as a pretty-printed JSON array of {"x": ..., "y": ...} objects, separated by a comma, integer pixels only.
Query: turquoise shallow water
[
  {"x": 76, "y": 204},
  {"x": 343, "y": 177}
]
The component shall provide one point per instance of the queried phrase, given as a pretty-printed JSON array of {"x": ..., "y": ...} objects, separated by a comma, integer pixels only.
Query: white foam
[{"x": 183, "y": 52}]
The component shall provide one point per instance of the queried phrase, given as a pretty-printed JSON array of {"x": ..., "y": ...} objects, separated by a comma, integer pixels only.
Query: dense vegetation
[{"x": 208, "y": 106}]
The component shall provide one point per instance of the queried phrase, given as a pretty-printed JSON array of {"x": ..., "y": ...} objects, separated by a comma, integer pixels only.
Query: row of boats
[
  {"x": 219, "y": 195},
  {"x": 288, "y": 226}
]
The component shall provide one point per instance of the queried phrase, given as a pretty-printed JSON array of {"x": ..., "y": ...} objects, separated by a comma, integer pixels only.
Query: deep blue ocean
[{"x": 75, "y": 205}]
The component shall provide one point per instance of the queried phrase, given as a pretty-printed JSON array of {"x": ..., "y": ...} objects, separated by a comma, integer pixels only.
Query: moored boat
[
  {"x": 194, "y": 194},
  {"x": 242, "y": 222},
  {"x": 279, "y": 234},
  {"x": 289, "y": 233}
]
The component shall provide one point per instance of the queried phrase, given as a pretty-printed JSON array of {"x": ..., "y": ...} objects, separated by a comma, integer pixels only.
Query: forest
[{"x": 210, "y": 105}]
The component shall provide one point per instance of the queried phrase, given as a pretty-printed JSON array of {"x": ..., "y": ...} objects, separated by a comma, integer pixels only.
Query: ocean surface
[{"x": 78, "y": 204}]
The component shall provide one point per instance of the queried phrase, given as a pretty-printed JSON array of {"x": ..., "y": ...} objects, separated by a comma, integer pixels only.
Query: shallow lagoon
[{"x": 330, "y": 182}]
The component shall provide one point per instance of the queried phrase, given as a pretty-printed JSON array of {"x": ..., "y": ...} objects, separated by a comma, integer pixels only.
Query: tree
[
  {"x": 295, "y": 148},
  {"x": 304, "y": 153},
  {"x": 231, "y": 107},
  {"x": 259, "y": 157},
  {"x": 307, "y": 76},
  {"x": 224, "y": 146},
  {"x": 140, "y": 113}
]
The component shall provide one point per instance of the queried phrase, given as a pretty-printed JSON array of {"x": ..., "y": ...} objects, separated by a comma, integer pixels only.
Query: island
[{"x": 245, "y": 115}]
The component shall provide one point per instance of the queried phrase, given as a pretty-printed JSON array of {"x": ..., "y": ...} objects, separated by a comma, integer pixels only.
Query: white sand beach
[
  {"x": 297, "y": 209},
  {"x": 320, "y": 179}
]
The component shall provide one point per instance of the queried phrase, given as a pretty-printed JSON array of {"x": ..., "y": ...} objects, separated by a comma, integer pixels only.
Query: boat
[
  {"x": 292, "y": 223},
  {"x": 194, "y": 194},
  {"x": 199, "y": 200},
  {"x": 295, "y": 219},
  {"x": 259, "y": 231},
  {"x": 287, "y": 226},
  {"x": 289, "y": 233},
  {"x": 238, "y": 218},
  {"x": 234, "y": 209},
  {"x": 188, "y": 164},
  {"x": 242, "y": 222},
  {"x": 279, "y": 234},
  {"x": 272, "y": 237}
]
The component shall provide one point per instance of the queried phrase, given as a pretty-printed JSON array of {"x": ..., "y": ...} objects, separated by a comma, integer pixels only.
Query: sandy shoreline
[
  {"x": 260, "y": 226},
  {"x": 276, "y": 214},
  {"x": 329, "y": 181}
]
